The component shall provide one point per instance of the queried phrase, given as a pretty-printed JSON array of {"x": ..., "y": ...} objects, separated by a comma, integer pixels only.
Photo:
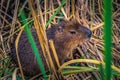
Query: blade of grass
[
  {"x": 101, "y": 71},
  {"x": 108, "y": 37},
  {"x": 18, "y": 59},
  {"x": 14, "y": 74},
  {"x": 33, "y": 45},
  {"x": 76, "y": 69},
  {"x": 61, "y": 15},
  {"x": 87, "y": 61},
  {"x": 54, "y": 52},
  {"x": 62, "y": 9},
  {"x": 55, "y": 55},
  {"x": 57, "y": 10},
  {"x": 68, "y": 72}
]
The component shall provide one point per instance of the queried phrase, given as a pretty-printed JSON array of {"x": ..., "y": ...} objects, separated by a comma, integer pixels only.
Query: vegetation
[{"x": 89, "y": 58}]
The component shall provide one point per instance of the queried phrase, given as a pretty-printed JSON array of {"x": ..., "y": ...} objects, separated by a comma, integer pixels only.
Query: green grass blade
[
  {"x": 57, "y": 10},
  {"x": 115, "y": 73},
  {"x": 75, "y": 69},
  {"x": 61, "y": 15},
  {"x": 33, "y": 45},
  {"x": 101, "y": 68},
  {"x": 108, "y": 37}
]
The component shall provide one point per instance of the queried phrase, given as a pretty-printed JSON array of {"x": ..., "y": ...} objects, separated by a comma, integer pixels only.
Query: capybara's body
[{"x": 66, "y": 36}]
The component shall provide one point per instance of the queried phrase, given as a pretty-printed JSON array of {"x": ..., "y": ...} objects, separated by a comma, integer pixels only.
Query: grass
[
  {"x": 108, "y": 37},
  {"x": 45, "y": 13},
  {"x": 33, "y": 45}
]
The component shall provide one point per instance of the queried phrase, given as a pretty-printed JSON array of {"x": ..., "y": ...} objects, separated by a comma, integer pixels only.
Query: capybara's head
[{"x": 72, "y": 33}]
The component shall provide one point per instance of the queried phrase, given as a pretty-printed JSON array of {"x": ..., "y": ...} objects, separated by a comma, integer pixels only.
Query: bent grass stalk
[
  {"x": 88, "y": 61},
  {"x": 18, "y": 59}
]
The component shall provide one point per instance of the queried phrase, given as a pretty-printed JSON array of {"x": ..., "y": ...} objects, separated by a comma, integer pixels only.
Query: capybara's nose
[{"x": 88, "y": 32}]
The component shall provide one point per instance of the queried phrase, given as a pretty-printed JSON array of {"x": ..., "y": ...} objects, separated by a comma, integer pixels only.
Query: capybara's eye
[{"x": 72, "y": 32}]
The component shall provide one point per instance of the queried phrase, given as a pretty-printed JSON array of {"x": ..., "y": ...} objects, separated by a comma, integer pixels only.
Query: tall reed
[{"x": 108, "y": 37}]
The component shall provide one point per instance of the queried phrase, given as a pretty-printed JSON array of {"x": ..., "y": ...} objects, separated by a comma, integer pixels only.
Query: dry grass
[{"x": 87, "y": 12}]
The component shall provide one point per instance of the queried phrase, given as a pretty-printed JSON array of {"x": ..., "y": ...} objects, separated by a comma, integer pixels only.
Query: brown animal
[{"x": 66, "y": 36}]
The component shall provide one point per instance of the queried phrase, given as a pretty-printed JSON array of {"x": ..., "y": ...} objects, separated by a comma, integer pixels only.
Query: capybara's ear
[{"x": 60, "y": 28}]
